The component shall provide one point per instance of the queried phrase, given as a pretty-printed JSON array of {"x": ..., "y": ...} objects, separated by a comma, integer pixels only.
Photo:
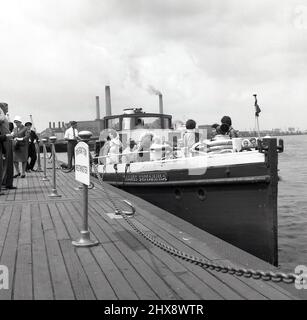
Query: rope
[{"x": 203, "y": 263}]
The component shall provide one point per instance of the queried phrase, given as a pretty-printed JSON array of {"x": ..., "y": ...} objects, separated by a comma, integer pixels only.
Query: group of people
[{"x": 17, "y": 145}]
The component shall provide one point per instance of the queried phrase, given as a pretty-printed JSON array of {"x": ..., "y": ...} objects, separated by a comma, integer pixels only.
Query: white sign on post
[{"x": 82, "y": 163}]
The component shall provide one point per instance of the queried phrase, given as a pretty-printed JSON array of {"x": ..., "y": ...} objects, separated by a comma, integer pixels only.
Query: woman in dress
[{"x": 21, "y": 141}]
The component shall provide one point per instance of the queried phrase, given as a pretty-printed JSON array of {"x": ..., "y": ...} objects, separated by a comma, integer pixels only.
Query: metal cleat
[{"x": 127, "y": 213}]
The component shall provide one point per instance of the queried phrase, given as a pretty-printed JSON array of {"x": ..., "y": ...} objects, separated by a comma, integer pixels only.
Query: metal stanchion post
[
  {"x": 85, "y": 240},
  {"x": 54, "y": 193},
  {"x": 45, "y": 178},
  {"x": 39, "y": 167}
]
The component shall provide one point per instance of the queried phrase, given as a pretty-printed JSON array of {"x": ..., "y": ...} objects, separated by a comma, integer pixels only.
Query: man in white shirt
[{"x": 72, "y": 137}]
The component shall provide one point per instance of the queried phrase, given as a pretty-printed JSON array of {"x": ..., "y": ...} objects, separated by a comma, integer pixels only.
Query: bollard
[
  {"x": 39, "y": 167},
  {"x": 85, "y": 240},
  {"x": 54, "y": 193},
  {"x": 45, "y": 178}
]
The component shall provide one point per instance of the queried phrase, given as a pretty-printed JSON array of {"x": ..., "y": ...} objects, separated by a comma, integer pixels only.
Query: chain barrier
[{"x": 287, "y": 278}]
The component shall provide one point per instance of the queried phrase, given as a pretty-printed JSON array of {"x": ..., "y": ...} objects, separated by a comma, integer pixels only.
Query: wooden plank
[
  {"x": 118, "y": 282},
  {"x": 4, "y": 223},
  {"x": 59, "y": 225},
  {"x": 42, "y": 286},
  {"x": 9, "y": 252},
  {"x": 97, "y": 279},
  {"x": 60, "y": 279},
  {"x": 140, "y": 286},
  {"x": 25, "y": 225},
  {"x": 23, "y": 275},
  {"x": 80, "y": 283},
  {"x": 248, "y": 285},
  {"x": 156, "y": 283},
  {"x": 182, "y": 290}
]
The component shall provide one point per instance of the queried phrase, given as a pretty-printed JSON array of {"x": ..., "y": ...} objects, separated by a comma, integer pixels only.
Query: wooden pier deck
[{"x": 35, "y": 244}]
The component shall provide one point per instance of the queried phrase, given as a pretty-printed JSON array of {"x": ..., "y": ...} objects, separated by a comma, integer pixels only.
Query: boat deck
[{"x": 35, "y": 244}]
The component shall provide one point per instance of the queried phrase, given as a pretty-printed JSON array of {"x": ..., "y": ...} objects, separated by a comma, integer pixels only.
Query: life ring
[
  {"x": 221, "y": 147},
  {"x": 219, "y": 143}
]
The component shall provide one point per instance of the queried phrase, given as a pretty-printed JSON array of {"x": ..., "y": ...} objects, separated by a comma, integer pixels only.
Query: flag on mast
[{"x": 257, "y": 108}]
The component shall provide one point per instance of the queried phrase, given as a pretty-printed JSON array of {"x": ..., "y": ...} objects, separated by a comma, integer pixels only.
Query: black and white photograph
[{"x": 153, "y": 153}]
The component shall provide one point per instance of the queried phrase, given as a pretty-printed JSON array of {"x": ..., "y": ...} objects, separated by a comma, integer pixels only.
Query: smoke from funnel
[{"x": 153, "y": 90}]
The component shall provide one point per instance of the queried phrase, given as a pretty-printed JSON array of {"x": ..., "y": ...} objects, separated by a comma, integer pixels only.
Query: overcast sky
[{"x": 208, "y": 58}]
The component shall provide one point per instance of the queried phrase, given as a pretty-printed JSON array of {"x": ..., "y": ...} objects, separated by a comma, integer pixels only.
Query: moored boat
[{"x": 231, "y": 194}]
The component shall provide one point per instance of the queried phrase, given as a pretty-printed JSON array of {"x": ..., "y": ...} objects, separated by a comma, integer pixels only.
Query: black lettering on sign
[
  {"x": 81, "y": 150},
  {"x": 82, "y": 169}
]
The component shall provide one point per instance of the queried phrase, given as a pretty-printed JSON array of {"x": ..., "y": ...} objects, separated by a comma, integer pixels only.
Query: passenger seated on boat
[
  {"x": 115, "y": 145},
  {"x": 130, "y": 153},
  {"x": 253, "y": 142},
  {"x": 143, "y": 150},
  {"x": 190, "y": 137},
  {"x": 245, "y": 145},
  {"x": 214, "y": 130},
  {"x": 226, "y": 121},
  {"x": 104, "y": 150}
]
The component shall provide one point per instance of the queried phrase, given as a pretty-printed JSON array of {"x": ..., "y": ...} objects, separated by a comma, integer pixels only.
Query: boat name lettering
[{"x": 146, "y": 177}]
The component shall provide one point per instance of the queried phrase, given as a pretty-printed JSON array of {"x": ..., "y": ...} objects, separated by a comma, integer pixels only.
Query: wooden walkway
[{"x": 35, "y": 244}]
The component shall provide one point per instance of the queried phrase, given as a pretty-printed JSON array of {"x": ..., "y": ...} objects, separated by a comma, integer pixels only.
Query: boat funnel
[
  {"x": 108, "y": 101},
  {"x": 97, "y": 108},
  {"x": 160, "y": 103}
]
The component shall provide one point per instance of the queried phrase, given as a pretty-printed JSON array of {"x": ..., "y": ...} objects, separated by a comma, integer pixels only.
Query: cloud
[{"x": 206, "y": 57}]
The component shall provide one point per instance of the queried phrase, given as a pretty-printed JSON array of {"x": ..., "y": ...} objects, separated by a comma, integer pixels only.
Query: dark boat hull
[{"x": 235, "y": 203}]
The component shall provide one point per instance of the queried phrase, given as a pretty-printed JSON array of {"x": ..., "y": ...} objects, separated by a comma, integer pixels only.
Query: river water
[{"x": 292, "y": 202}]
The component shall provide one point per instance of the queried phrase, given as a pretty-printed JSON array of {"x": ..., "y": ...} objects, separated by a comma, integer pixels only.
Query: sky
[{"x": 207, "y": 57}]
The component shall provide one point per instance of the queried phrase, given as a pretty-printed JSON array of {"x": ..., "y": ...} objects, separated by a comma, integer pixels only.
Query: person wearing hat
[
  {"x": 226, "y": 126},
  {"x": 72, "y": 137},
  {"x": 31, "y": 148},
  {"x": 20, "y": 153},
  {"x": 7, "y": 171}
]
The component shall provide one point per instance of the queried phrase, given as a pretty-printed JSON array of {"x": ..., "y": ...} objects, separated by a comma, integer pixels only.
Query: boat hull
[{"x": 236, "y": 203}]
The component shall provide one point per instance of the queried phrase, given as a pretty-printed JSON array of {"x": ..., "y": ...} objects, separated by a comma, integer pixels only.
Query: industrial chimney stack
[
  {"x": 160, "y": 103},
  {"x": 97, "y": 108},
  {"x": 108, "y": 101}
]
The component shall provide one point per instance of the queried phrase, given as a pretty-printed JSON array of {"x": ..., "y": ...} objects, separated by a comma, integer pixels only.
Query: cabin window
[
  {"x": 114, "y": 124},
  {"x": 148, "y": 123},
  {"x": 166, "y": 123}
]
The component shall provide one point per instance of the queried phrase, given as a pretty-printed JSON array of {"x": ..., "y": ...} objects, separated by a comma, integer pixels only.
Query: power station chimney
[
  {"x": 53, "y": 124},
  {"x": 49, "y": 124},
  {"x": 59, "y": 124},
  {"x": 160, "y": 103},
  {"x": 97, "y": 108},
  {"x": 108, "y": 101}
]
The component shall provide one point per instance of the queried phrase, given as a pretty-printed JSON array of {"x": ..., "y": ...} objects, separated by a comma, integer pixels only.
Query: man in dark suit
[
  {"x": 31, "y": 149},
  {"x": 72, "y": 137},
  {"x": 7, "y": 171}
]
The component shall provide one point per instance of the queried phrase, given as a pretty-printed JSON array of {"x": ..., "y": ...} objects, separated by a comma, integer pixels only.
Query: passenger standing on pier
[
  {"x": 20, "y": 154},
  {"x": 33, "y": 138},
  {"x": 190, "y": 137},
  {"x": 6, "y": 128},
  {"x": 72, "y": 137}
]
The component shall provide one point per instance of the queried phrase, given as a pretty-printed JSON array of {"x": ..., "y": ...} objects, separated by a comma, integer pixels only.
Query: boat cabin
[{"x": 136, "y": 118}]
